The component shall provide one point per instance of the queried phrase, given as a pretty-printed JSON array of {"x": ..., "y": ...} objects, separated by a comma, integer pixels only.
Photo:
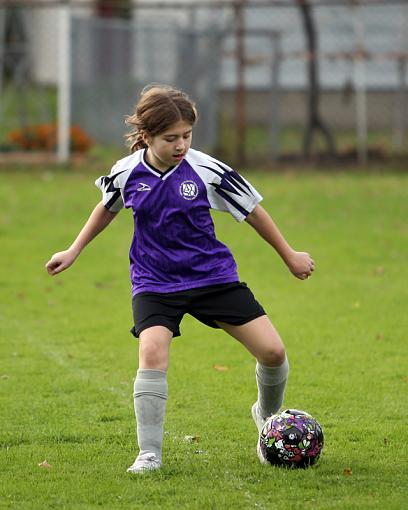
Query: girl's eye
[{"x": 173, "y": 139}]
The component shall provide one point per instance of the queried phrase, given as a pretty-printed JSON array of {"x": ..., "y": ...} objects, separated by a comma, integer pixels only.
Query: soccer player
[{"x": 177, "y": 265}]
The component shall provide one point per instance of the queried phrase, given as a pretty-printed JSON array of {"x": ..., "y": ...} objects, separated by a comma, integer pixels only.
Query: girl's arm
[
  {"x": 98, "y": 220},
  {"x": 299, "y": 263}
]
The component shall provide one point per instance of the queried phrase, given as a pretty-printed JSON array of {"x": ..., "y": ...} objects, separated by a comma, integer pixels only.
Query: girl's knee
[
  {"x": 153, "y": 355},
  {"x": 154, "y": 351},
  {"x": 273, "y": 356}
]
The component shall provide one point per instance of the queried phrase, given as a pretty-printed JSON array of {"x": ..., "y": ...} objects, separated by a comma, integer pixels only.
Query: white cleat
[
  {"x": 145, "y": 462},
  {"x": 259, "y": 422},
  {"x": 258, "y": 419}
]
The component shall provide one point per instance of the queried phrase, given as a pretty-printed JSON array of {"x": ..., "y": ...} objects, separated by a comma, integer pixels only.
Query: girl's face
[{"x": 169, "y": 148}]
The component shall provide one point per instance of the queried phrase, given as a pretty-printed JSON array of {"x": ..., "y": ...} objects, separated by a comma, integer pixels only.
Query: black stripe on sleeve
[
  {"x": 230, "y": 200},
  {"x": 229, "y": 179},
  {"x": 236, "y": 176},
  {"x": 113, "y": 199}
]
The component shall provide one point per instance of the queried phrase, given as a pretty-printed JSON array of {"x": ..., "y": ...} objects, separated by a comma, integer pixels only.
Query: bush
[{"x": 43, "y": 137}]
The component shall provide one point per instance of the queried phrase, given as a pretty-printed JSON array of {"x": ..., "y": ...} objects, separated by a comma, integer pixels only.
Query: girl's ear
[{"x": 146, "y": 138}]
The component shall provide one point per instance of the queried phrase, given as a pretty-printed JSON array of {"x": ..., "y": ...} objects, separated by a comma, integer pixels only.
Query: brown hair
[{"x": 160, "y": 106}]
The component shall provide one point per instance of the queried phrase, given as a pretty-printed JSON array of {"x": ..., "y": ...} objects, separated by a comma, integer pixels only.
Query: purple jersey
[{"x": 174, "y": 246}]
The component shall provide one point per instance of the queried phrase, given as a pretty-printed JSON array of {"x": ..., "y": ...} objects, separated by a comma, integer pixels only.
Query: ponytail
[{"x": 135, "y": 140}]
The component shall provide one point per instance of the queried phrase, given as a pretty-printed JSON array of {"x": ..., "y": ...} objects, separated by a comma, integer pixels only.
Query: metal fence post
[
  {"x": 64, "y": 84},
  {"x": 400, "y": 106},
  {"x": 360, "y": 73},
  {"x": 240, "y": 97},
  {"x": 2, "y": 44},
  {"x": 275, "y": 96}
]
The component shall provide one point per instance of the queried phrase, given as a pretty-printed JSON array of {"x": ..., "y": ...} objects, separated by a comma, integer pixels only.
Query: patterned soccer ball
[{"x": 291, "y": 438}]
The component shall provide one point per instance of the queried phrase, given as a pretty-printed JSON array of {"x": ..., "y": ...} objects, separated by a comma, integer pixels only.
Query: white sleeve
[
  {"x": 227, "y": 190},
  {"x": 110, "y": 185}
]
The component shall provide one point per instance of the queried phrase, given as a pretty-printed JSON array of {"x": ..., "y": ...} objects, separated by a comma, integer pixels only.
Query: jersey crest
[{"x": 189, "y": 190}]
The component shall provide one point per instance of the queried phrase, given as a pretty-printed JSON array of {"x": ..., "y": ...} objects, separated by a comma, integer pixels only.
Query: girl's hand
[
  {"x": 300, "y": 264},
  {"x": 60, "y": 261}
]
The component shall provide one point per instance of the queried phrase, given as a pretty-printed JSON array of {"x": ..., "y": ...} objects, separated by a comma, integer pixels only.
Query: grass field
[{"x": 68, "y": 360}]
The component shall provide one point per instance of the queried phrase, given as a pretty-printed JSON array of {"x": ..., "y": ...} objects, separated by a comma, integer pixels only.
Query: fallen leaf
[
  {"x": 378, "y": 271},
  {"x": 44, "y": 464},
  {"x": 192, "y": 439},
  {"x": 348, "y": 471},
  {"x": 220, "y": 368},
  {"x": 379, "y": 336}
]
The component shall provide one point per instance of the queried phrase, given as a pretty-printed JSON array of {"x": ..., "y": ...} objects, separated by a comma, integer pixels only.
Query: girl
[{"x": 177, "y": 265}]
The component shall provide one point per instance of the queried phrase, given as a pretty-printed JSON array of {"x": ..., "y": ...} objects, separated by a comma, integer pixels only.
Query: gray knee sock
[
  {"x": 150, "y": 397},
  {"x": 271, "y": 383}
]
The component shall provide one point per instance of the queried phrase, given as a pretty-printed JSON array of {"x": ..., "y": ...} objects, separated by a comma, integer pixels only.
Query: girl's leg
[
  {"x": 154, "y": 347},
  {"x": 150, "y": 395},
  {"x": 263, "y": 341}
]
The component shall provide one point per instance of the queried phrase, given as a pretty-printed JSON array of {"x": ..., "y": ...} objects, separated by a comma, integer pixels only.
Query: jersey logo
[
  {"x": 189, "y": 190},
  {"x": 143, "y": 187}
]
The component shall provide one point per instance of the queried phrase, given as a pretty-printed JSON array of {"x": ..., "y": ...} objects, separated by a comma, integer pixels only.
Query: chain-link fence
[
  {"x": 107, "y": 76},
  {"x": 273, "y": 80}
]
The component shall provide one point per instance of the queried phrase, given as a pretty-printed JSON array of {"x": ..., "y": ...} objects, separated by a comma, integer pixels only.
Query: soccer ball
[{"x": 291, "y": 438}]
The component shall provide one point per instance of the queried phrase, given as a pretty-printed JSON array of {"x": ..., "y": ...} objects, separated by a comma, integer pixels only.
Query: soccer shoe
[
  {"x": 259, "y": 422},
  {"x": 258, "y": 419},
  {"x": 145, "y": 462}
]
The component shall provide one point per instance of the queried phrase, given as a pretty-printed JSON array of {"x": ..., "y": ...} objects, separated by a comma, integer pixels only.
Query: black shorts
[{"x": 232, "y": 303}]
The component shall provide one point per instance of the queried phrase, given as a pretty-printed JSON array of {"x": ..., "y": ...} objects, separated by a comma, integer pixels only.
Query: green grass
[{"x": 68, "y": 360}]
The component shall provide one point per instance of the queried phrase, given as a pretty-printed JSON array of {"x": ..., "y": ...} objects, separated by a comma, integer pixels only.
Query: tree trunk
[{"x": 314, "y": 120}]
